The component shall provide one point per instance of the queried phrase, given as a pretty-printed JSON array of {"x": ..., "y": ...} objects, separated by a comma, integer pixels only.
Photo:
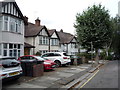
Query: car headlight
[{"x": 46, "y": 63}]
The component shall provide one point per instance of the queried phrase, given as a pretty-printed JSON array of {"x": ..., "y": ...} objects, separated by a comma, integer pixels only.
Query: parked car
[
  {"x": 60, "y": 58},
  {"x": 10, "y": 69},
  {"x": 48, "y": 64}
]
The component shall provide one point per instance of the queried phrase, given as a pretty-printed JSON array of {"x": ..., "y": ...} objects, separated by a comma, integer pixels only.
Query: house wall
[
  {"x": 56, "y": 47},
  {"x": 68, "y": 48},
  {"x": 11, "y": 31},
  {"x": 39, "y": 47},
  {"x": 8, "y": 37},
  {"x": 63, "y": 47},
  {"x": 30, "y": 40}
]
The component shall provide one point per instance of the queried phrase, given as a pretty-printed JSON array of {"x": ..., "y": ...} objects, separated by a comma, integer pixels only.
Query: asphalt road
[{"x": 107, "y": 77}]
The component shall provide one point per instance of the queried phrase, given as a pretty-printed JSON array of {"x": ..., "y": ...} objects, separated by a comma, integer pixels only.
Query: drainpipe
[
  {"x": 67, "y": 48},
  {"x": 33, "y": 45},
  {"x": 49, "y": 45}
]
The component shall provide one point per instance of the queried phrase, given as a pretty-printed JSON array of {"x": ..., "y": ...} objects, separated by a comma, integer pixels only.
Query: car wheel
[{"x": 58, "y": 63}]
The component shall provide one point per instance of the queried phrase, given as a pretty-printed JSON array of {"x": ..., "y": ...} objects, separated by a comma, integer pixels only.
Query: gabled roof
[
  {"x": 51, "y": 32},
  {"x": 65, "y": 38},
  {"x": 3, "y": 3},
  {"x": 31, "y": 30}
]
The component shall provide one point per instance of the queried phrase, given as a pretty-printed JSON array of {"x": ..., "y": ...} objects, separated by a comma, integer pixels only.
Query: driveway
[{"x": 49, "y": 78}]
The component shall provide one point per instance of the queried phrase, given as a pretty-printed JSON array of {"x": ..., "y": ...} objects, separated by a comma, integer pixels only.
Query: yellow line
[{"x": 89, "y": 79}]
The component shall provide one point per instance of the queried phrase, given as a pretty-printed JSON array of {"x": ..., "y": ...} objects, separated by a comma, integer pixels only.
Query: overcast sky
[{"x": 60, "y": 14}]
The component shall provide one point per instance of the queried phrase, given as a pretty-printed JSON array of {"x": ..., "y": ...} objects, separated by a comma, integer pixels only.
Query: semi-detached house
[
  {"x": 68, "y": 43},
  {"x": 11, "y": 30},
  {"x": 38, "y": 36},
  {"x": 54, "y": 41}
]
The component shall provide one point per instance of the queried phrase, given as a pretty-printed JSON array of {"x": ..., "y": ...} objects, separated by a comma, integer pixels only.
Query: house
[
  {"x": 37, "y": 35},
  {"x": 11, "y": 30},
  {"x": 54, "y": 41},
  {"x": 68, "y": 43}
]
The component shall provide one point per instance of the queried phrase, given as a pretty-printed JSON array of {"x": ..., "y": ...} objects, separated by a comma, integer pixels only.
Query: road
[{"x": 107, "y": 77}]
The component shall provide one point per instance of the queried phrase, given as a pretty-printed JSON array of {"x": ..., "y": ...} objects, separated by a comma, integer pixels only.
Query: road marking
[{"x": 89, "y": 79}]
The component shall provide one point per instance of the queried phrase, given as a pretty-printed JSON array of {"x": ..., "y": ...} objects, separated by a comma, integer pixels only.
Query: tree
[
  {"x": 94, "y": 26},
  {"x": 116, "y": 36}
]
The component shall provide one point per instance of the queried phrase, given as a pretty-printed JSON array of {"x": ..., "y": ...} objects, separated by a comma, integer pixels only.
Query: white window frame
[
  {"x": 16, "y": 24},
  {"x": 1, "y": 23},
  {"x": 54, "y": 42},
  {"x": 43, "y": 40}
]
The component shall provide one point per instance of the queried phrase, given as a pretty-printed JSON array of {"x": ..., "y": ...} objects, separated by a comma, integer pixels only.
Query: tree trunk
[{"x": 97, "y": 57}]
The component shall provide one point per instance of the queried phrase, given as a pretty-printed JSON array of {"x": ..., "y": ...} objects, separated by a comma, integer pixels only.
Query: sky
[{"x": 61, "y": 14}]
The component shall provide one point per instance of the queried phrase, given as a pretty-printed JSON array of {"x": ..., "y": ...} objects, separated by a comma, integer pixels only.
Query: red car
[{"x": 48, "y": 64}]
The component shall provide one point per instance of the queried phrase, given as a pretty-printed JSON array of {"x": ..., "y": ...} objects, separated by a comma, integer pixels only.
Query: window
[
  {"x": 25, "y": 57},
  {"x": 10, "y": 46},
  {"x": 5, "y": 46},
  {"x": 73, "y": 45},
  {"x": 54, "y": 42},
  {"x": 5, "y": 49},
  {"x": 13, "y": 50},
  {"x": 6, "y": 23},
  {"x": 11, "y": 24},
  {"x": 1, "y": 23},
  {"x": 15, "y": 53},
  {"x": 43, "y": 40},
  {"x": 55, "y": 54},
  {"x": 11, "y": 53},
  {"x": 19, "y": 53},
  {"x": 4, "y": 52}
]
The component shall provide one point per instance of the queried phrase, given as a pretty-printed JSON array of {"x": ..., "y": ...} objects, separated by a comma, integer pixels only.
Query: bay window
[
  {"x": 11, "y": 24},
  {"x": 5, "y": 23},
  {"x": 13, "y": 50},
  {"x": 1, "y": 23}
]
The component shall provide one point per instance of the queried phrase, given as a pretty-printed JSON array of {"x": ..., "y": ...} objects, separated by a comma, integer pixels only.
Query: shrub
[{"x": 38, "y": 54}]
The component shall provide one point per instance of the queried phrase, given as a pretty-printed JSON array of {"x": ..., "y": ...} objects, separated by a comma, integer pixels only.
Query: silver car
[{"x": 10, "y": 68}]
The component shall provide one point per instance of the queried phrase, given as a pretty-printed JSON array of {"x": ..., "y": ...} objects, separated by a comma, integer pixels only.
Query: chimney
[
  {"x": 61, "y": 30},
  {"x": 37, "y": 22},
  {"x": 26, "y": 20}
]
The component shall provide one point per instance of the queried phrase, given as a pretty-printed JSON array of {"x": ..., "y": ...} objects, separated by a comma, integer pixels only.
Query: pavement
[{"x": 63, "y": 78}]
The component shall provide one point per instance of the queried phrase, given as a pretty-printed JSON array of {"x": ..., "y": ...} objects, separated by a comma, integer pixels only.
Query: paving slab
[{"x": 64, "y": 74}]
